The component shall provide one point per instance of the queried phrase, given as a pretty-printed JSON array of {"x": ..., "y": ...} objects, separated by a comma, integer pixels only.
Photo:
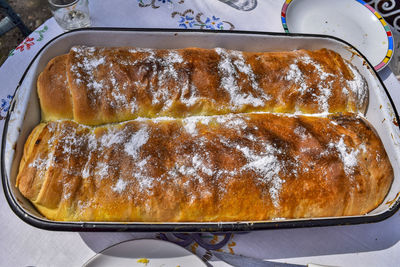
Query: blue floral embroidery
[
  {"x": 5, "y": 105},
  {"x": 213, "y": 23},
  {"x": 190, "y": 19},
  {"x": 186, "y": 21}
]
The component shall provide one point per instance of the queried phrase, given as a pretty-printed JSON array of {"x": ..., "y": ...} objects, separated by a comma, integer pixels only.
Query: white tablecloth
[{"x": 376, "y": 244}]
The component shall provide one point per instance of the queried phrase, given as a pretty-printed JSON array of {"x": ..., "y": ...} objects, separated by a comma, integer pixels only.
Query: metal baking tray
[{"x": 24, "y": 115}]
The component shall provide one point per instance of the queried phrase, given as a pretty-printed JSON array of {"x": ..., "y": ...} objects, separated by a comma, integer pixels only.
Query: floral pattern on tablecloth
[
  {"x": 189, "y": 19},
  {"x": 29, "y": 41},
  {"x": 4, "y": 106},
  {"x": 25, "y": 50}
]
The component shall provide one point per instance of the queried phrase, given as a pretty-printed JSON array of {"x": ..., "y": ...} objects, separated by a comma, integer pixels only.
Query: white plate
[
  {"x": 145, "y": 253},
  {"x": 351, "y": 20}
]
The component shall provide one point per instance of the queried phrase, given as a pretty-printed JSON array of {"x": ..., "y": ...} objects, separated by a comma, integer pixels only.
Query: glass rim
[{"x": 61, "y": 5}]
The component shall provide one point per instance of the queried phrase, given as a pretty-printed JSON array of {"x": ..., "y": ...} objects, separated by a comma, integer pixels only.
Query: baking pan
[{"x": 24, "y": 115}]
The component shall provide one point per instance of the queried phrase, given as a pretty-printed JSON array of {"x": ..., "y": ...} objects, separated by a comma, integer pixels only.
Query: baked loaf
[
  {"x": 95, "y": 86},
  {"x": 237, "y": 167},
  {"x": 54, "y": 95}
]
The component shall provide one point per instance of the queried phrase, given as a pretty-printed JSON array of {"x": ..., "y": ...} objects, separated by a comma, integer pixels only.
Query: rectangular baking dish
[{"x": 24, "y": 115}]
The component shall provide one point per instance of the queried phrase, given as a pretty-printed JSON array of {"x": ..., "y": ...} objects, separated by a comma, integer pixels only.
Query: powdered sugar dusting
[
  {"x": 347, "y": 155},
  {"x": 120, "y": 186},
  {"x": 145, "y": 182},
  {"x": 42, "y": 164},
  {"x": 323, "y": 97},
  {"x": 295, "y": 75},
  {"x": 101, "y": 170},
  {"x": 302, "y": 132},
  {"x": 229, "y": 79},
  {"x": 113, "y": 136},
  {"x": 231, "y": 149},
  {"x": 321, "y": 73},
  {"x": 86, "y": 169},
  {"x": 166, "y": 76},
  {"x": 198, "y": 164},
  {"x": 137, "y": 140},
  {"x": 190, "y": 123},
  {"x": 267, "y": 167},
  {"x": 190, "y": 126},
  {"x": 189, "y": 95},
  {"x": 358, "y": 85},
  {"x": 87, "y": 63},
  {"x": 163, "y": 69},
  {"x": 88, "y": 66},
  {"x": 262, "y": 161},
  {"x": 232, "y": 121}
]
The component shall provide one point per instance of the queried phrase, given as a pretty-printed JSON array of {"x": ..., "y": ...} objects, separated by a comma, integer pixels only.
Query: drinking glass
[{"x": 70, "y": 14}]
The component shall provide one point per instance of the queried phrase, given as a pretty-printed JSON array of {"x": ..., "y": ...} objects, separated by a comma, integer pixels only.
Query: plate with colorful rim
[
  {"x": 145, "y": 253},
  {"x": 351, "y": 20}
]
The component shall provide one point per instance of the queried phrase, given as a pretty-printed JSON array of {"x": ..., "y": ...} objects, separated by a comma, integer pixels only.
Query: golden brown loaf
[
  {"x": 54, "y": 95},
  {"x": 238, "y": 167},
  {"x": 201, "y": 135},
  {"x": 95, "y": 86}
]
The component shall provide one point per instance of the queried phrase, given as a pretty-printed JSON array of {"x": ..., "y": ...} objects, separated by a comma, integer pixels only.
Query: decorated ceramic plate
[
  {"x": 145, "y": 253},
  {"x": 351, "y": 20}
]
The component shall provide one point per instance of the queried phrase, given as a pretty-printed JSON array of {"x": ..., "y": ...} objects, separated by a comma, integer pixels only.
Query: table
[{"x": 376, "y": 244}]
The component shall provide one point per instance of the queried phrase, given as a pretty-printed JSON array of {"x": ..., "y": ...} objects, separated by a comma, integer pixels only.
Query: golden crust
[
  {"x": 31, "y": 184},
  {"x": 54, "y": 94},
  {"x": 230, "y": 165},
  {"x": 245, "y": 167},
  {"x": 107, "y": 85}
]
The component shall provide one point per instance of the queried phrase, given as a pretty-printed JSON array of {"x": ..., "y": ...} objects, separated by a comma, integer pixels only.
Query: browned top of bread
[
  {"x": 246, "y": 167},
  {"x": 118, "y": 84},
  {"x": 235, "y": 162}
]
